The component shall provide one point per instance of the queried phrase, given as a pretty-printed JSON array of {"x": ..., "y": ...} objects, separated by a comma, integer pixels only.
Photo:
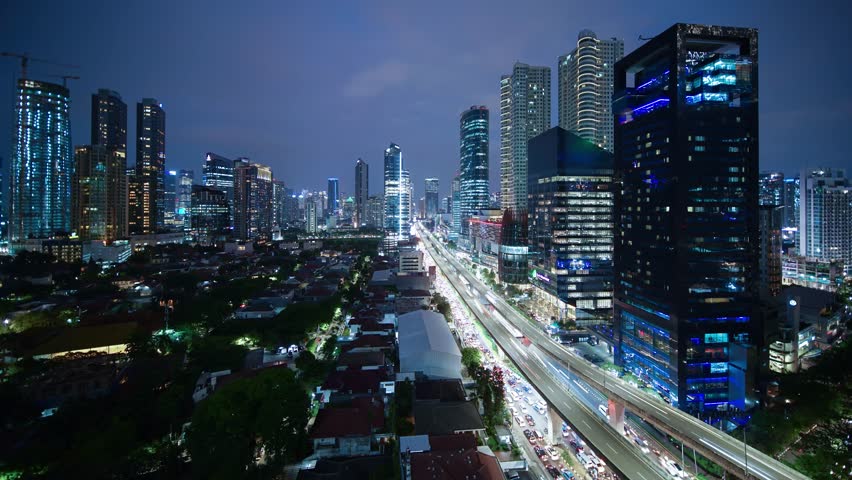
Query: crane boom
[{"x": 26, "y": 59}]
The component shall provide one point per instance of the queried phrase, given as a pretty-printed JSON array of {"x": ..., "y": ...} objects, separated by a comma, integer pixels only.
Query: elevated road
[{"x": 721, "y": 448}]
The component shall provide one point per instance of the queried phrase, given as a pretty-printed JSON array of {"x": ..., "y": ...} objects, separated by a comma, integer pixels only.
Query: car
[
  {"x": 513, "y": 410},
  {"x": 603, "y": 410},
  {"x": 528, "y": 417},
  {"x": 554, "y": 455},
  {"x": 524, "y": 408},
  {"x": 567, "y": 475},
  {"x": 529, "y": 434},
  {"x": 553, "y": 471},
  {"x": 538, "y": 435},
  {"x": 540, "y": 410},
  {"x": 520, "y": 421},
  {"x": 643, "y": 445},
  {"x": 528, "y": 400},
  {"x": 540, "y": 452},
  {"x": 576, "y": 446}
]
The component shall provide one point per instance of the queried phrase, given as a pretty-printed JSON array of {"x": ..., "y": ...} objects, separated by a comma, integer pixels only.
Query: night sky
[{"x": 308, "y": 87}]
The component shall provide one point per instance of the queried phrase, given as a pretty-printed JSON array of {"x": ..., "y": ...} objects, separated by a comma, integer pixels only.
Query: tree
[
  {"x": 471, "y": 358},
  {"x": 267, "y": 413}
]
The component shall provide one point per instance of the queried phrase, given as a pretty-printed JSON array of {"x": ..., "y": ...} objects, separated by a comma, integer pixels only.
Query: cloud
[{"x": 375, "y": 80}]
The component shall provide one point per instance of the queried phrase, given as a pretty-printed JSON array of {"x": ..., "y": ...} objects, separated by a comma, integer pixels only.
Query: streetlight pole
[{"x": 745, "y": 450}]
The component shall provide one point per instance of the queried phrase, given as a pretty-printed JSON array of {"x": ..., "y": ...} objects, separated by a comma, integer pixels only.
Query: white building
[
  {"x": 411, "y": 261},
  {"x": 426, "y": 345},
  {"x": 825, "y": 216}
]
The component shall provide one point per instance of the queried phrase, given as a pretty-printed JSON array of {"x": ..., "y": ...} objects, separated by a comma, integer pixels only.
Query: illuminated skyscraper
[
  {"x": 99, "y": 193},
  {"x": 170, "y": 181},
  {"x": 686, "y": 244},
  {"x": 771, "y": 188},
  {"x": 109, "y": 119},
  {"x": 311, "y": 209},
  {"x": 397, "y": 201},
  {"x": 218, "y": 172},
  {"x": 473, "y": 151},
  {"x": 825, "y": 216},
  {"x": 333, "y": 196},
  {"x": 455, "y": 192},
  {"x": 209, "y": 215},
  {"x": 252, "y": 201},
  {"x": 524, "y": 113},
  {"x": 40, "y": 173},
  {"x": 585, "y": 88},
  {"x": 362, "y": 192},
  {"x": 150, "y": 166},
  {"x": 431, "y": 187}
]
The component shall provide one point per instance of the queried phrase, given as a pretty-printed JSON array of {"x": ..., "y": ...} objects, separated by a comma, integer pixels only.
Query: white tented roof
[{"x": 423, "y": 331}]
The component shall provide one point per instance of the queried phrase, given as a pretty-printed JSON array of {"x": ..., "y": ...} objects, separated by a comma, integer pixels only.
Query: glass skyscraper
[
  {"x": 362, "y": 192},
  {"x": 455, "y": 192},
  {"x": 150, "y": 166},
  {"x": 825, "y": 216},
  {"x": 99, "y": 193},
  {"x": 585, "y": 88},
  {"x": 686, "y": 244},
  {"x": 41, "y": 168},
  {"x": 252, "y": 201},
  {"x": 771, "y": 188},
  {"x": 209, "y": 215},
  {"x": 571, "y": 195},
  {"x": 218, "y": 172},
  {"x": 431, "y": 187},
  {"x": 109, "y": 119},
  {"x": 473, "y": 151},
  {"x": 397, "y": 204},
  {"x": 333, "y": 196}
]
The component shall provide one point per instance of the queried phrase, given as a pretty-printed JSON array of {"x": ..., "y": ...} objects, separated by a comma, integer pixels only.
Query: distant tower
[
  {"x": 40, "y": 173},
  {"x": 397, "y": 197},
  {"x": 473, "y": 149},
  {"x": 432, "y": 189},
  {"x": 362, "y": 192},
  {"x": 252, "y": 201},
  {"x": 333, "y": 196},
  {"x": 150, "y": 166}
]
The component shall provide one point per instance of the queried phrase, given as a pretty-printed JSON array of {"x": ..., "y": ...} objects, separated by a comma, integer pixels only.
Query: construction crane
[
  {"x": 65, "y": 78},
  {"x": 26, "y": 59}
]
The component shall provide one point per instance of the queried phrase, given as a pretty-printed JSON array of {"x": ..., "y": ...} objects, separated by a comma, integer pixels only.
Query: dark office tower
[
  {"x": 170, "y": 181},
  {"x": 473, "y": 151},
  {"x": 431, "y": 188},
  {"x": 571, "y": 194},
  {"x": 150, "y": 166},
  {"x": 771, "y": 188},
  {"x": 183, "y": 197},
  {"x": 279, "y": 195},
  {"x": 455, "y": 191},
  {"x": 209, "y": 215},
  {"x": 40, "y": 173},
  {"x": 686, "y": 245},
  {"x": 218, "y": 172},
  {"x": 133, "y": 226},
  {"x": 362, "y": 192},
  {"x": 333, "y": 196},
  {"x": 99, "y": 193},
  {"x": 524, "y": 113},
  {"x": 585, "y": 88},
  {"x": 3, "y": 224},
  {"x": 109, "y": 119},
  {"x": 770, "y": 250},
  {"x": 791, "y": 203},
  {"x": 252, "y": 201}
]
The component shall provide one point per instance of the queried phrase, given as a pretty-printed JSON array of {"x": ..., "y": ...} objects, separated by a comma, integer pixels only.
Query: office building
[
  {"x": 3, "y": 207},
  {"x": 183, "y": 197},
  {"x": 571, "y": 209},
  {"x": 485, "y": 237},
  {"x": 771, "y": 186},
  {"x": 431, "y": 187},
  {"x": 40, "y": 172},
  {"x": 99, "y": 193},
  {"x": 209, "y": 215},
  {"x": 109, "y": 119},
  {"x": 770, "y": 250},
  {"x": 825, "y": 216},
  {"x": 279, "y": 201},
  {"x": 524, "y": 113},
  {"x": 252, "y": 201},
  {"x": 685, "y": 256},
  {"x": 585, "y": 88},
  {"x": 791, "y": 203},
  {"x": 811, "y": 272},
  {"x": 149, "y": 215},
  {"x": 473, "y": 168},
  {"x": 397, "y": 202},
  {"x": 455, "y": 190},
  {"x": 375, "y": 212},
  {"x": 362, "y": 192},
  {"x": 333, "y": 196},
  {"x": 170, "y": 181},
  {"x": 218, "y": 172},
  {"x": 311, "y": 209}
]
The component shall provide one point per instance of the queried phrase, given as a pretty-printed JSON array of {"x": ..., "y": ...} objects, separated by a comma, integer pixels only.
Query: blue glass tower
[
  {"x": 474, "y": 164},
  {"x": 41, "y": 168},
  {"x": 396, "y": 221},
  {"x": 333, "y": 196},
  {"x": 685, "y": 256}
]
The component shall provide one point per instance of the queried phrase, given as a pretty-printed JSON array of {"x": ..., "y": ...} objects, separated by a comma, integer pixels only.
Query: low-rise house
[
  {"x": 206, "y": 384},
  {"x": 348, "y": 431},
  {"x": 447, "y": 457}
]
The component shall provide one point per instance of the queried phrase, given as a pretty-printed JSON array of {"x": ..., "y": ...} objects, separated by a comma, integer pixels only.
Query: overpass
[{"x": 719, "y": 447}]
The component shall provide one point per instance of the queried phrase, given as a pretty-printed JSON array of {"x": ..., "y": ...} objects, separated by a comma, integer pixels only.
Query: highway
[{"x": 714, "y": 444}]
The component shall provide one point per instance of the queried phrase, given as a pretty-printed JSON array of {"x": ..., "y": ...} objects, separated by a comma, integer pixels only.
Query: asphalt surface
[{"x": 627, "y": 461}]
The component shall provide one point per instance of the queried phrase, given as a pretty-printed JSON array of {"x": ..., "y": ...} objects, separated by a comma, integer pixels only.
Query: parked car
[{"x": 553, "y": 471}]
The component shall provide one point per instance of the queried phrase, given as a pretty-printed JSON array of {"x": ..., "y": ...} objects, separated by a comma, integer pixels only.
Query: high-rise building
[
  {"x": 252, "y": 201},
  {"x": 279, "y": 200},
  {"x": 770, "y": 250},
  {"x": 685, "y": 256},
  {"x": 99, "y": 193},
  {"x": 791, "y": 203},
  {"x": 825, "y": 216},
  {"x": 407, "y": 202},
  {"x": 333, "y": 196},
  {"x": 375, "y": 212},
  {"x": 109, "y": 119},
  {"x": 397, "y": 201},
  {"x": 585, "y": 88},
  {"x": 183, "y": 197},
  {"x": 40, "y": 173},
  {"x": 447, "y": 205},
  {"x": 771, "y": 188},
  {"x": 132, "y": 201},
  {"x": 524, "y": 113},
  {"x": 3, "y": 206},
  {"x": 431, "y": 187},
  {"x": 209, "y": 215},
  {"x": 362, "y": 192},
  {"x": 455, "y": 191},
  {"x": 473, "y": 151},
  {"x": 291, "y": 206},
  {"x": 218, "y": 172},
  {"x": 170, "y": 181},
  {"x": 571, "y": 198},
  {"x": 311, "y": 209},
  {"x": 150, "y": 166}
]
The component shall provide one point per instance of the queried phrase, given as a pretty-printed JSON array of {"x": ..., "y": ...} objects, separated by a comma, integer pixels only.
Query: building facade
[
  {"x": 771, "y": 188},
  {"x": 41, "y": 167},
  {"x": 432, "y": 189},
  {"x": 252, "y": 201},
  {"x": 218, "y": 173},
  {"x": 770, "y": 250},
  {"x": 455, "y": 190},
  {"x": 825, "y": 216},
  {"x": 397, "y": 199},
  {"x": 209, "y": 215},
  {"x": 99, "y": 193},
  {"x": 473, "y": 151},
  {"x": 150, "y": 167},
  {"x": 109, "y": 119},
  {"x": 333, "y": 196},
  {"x": 362, "y": 192},
  {"x": 485, "y": 237},
  {"x": 585, "y": 88},
  {"x": 524, "y": 113},
  {"x": 311, "y": 209},
  {"x": 685, "y": 256},
  {"x": 571, "y": 210}
]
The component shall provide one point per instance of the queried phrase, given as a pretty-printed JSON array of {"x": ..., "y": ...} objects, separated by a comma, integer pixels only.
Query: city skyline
[{"x": 225, "y": 114}]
